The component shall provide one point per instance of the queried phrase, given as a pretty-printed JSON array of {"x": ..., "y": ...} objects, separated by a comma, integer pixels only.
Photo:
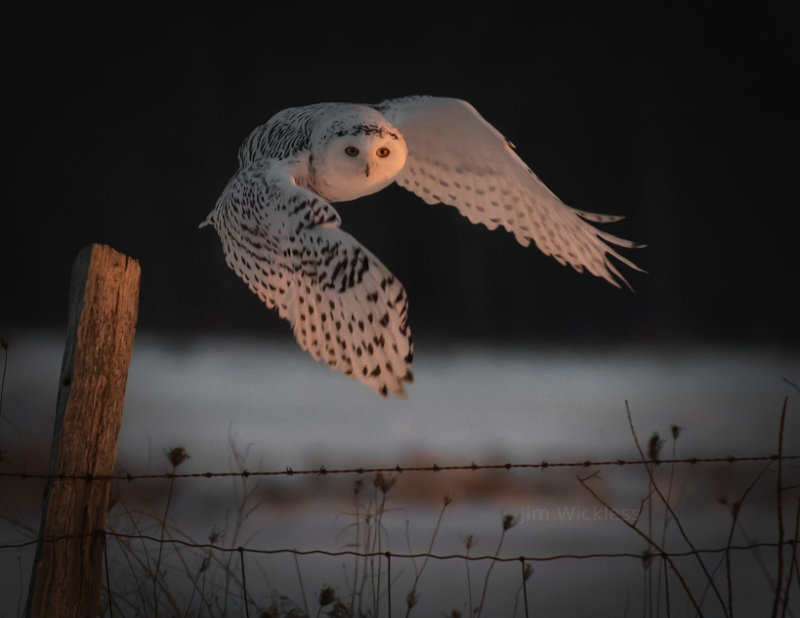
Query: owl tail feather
[{"x": 209, "y": 220}]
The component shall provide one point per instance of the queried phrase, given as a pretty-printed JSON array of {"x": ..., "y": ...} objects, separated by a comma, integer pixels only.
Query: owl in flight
[{"x": 281, "y": 235}]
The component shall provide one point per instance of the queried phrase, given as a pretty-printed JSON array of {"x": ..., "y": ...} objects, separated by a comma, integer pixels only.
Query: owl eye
[
  {"x": 351, "y": 151},
  {"x": 382, "y": 152}
]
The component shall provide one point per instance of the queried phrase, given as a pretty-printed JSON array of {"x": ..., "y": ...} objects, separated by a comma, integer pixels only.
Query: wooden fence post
[{"x": 67, "y": 573}]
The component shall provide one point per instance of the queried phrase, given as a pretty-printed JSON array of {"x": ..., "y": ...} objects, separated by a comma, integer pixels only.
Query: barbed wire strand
[
  {"x": 323, "y": 471},
  {"x": 402, "y": 556},
  {"x": 388, "y": 555}
]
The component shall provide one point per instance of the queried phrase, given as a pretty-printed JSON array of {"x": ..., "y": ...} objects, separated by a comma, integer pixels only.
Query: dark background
[{"x": 123, "y": 129}]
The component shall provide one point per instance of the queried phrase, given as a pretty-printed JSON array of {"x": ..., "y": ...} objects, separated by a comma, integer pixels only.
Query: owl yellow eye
[
  {"x": 382, "y": 152},
  {"x": 351, "y": 151}
]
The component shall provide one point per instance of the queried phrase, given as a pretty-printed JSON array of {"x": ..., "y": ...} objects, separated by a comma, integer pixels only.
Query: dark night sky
[{"x": 123, "y": 129}]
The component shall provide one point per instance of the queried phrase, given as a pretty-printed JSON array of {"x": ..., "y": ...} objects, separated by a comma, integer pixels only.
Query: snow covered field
[{"x": 468, "y": 403}]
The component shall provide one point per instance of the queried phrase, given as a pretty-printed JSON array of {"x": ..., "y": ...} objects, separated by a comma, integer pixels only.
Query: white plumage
[{"x": 281, "y": 235}]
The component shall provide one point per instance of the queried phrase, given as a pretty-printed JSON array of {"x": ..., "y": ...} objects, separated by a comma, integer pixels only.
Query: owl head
[{"x": 357, "y": 153}]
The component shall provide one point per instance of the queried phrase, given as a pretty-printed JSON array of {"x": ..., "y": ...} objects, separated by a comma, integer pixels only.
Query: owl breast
[{"x": 356, "y": 158}]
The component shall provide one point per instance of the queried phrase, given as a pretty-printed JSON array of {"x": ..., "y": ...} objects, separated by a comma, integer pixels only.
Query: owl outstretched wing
[
  {"x": 345, "y": 307},
  {"x": 457, "y": 158}
]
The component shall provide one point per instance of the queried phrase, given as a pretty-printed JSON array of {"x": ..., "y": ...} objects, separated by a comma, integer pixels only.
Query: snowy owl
[{"x": 281, "y": 235}]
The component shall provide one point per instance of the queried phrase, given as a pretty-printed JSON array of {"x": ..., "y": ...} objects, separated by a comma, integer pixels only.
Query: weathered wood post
[{"x": 104, "y": 297}]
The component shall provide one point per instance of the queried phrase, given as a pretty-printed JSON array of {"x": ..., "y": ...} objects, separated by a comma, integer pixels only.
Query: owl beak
[{"x": 366, "y": 170}]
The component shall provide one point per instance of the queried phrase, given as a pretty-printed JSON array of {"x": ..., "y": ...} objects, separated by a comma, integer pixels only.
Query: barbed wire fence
[
  {"x": 234, "y": 567},
  {"x": 135, "y": 576}
]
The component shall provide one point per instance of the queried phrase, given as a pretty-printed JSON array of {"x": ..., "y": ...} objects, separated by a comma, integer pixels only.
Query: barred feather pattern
[
  {"x": 344, "y": 305},
  {"x": 282, "y": 136},
  {"x": 457, "y": 158}
]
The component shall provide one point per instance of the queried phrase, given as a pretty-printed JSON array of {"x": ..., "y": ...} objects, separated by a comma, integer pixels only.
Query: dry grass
[
  {"x": 156, "y": 567},
  {"x": 372, "y": 577}
]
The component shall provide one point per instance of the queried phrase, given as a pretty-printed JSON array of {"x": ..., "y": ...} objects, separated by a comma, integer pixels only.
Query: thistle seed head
[
  {"x": 383, "y": 483},
  {"x": 654, "y": 447},
  {"x": 527, "y": 571},
  {"x": 177, "y": 456},
  {"x": 326, "y": 596},
  {"x": 469, "y": 541}
]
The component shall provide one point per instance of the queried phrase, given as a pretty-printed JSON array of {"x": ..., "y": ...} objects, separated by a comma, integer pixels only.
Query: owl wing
[
  {"x": 345, "y": 307},
  {"x": 458, "y": 158}
]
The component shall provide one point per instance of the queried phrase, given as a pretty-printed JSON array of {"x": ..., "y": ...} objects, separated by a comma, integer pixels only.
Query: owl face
[{"x": 357, "y": 160}]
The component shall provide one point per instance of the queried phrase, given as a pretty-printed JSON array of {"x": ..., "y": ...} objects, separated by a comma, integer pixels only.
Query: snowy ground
[{"x": 467, "y": 404}]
